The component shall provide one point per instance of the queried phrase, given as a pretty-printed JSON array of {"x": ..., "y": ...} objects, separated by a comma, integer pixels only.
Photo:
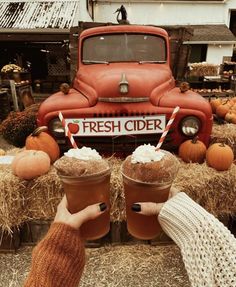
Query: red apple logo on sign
[{"x": 73, "y": 128}]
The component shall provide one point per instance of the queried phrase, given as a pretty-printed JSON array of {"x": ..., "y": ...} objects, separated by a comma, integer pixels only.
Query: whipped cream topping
[
  {"x": 84, "y": 153},
  {"x": 146, "y": 153}
]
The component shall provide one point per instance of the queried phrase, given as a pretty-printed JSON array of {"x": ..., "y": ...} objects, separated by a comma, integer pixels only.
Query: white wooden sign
[{"x": 117, "y": 126}]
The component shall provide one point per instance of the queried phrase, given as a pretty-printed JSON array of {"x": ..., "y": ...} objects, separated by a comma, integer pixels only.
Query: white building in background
[{"x": 211, "y": 21}]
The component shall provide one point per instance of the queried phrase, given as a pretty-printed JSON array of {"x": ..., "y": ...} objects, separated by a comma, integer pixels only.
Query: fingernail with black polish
[
  {"x": 102, "y": 206},
  {"x": 136, "y": 207}
]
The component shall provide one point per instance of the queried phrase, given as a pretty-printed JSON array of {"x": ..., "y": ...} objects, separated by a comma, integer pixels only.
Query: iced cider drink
[
  {"x": 147, "y": 177},
  {"x": 86, "y": 180}
]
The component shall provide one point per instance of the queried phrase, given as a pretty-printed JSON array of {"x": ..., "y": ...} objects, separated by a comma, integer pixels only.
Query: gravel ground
[{"x": 110, "y": 266}]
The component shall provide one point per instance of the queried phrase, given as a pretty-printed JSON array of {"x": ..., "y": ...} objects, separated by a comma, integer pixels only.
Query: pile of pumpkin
[
  {"x": 218, "y": 155},
  {"x": 41, "y": 150},
  {"x": 224, "y": 109}
]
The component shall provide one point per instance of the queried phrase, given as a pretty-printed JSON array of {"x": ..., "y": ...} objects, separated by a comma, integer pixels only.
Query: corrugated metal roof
[{"x": 31, "y": 15}]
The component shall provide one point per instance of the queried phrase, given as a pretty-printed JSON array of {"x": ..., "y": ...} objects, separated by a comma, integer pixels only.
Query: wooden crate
[
  {"x": 10, "y": 242},
  {"x": 5, "y": 104},
  {"x": 33, "y": 231}
]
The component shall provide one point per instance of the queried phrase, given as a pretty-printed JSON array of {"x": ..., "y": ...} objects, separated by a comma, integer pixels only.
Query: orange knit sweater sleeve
[{"x": 58, "y": 260}]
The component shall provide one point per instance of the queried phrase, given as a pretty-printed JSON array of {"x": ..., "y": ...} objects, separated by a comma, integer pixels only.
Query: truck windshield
[{"x": 108, "y": 48}]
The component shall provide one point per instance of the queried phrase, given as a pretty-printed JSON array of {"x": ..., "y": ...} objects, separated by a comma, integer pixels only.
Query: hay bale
[
  {"x": 225, "y": 133},
  {"x": 43, "y": 195},
  {"x": 213, "y": 190},
  {"x": 117, "y": 191},
  {"x": 21, "y": 201}
]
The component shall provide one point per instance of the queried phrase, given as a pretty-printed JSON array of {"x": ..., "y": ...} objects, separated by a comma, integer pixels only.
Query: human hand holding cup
[
  {"x": 147, "y": 182},
  {"x": 85, "y": 178},
  {"x": 152, "y": 208}
]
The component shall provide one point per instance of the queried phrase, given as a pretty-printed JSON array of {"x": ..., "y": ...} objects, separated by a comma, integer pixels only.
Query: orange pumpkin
[
  {"x": 219, "y": 156},
  {"x": 230, "y": 116},
  {"x": 233, "y": 99},
  {"x": 215, "y": 103},
  {"x": 30, "y": 164},
  {"x": 192, "y": 151},
  {"x": 233, "y": 108},
  {"x": 40, "y": 140},
  {"x": 222, "y": 110},
  {"x": 233, "y": 120}
]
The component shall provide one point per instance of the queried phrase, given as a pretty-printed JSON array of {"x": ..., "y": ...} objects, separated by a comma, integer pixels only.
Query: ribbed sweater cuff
[
  {"x": 181, "y": 217},
  {"x": 58, "y": 260}
]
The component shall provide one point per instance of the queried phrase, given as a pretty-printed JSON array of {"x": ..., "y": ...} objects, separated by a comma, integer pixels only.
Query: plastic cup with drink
[
  {"x": 85, "y": 177},
  {"x": 147, "y": 177}
]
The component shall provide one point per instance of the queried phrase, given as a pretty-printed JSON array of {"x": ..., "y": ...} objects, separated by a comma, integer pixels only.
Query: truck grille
[
  {"x": 121, "y": 114},
  {"x": 125, "y": 144}
]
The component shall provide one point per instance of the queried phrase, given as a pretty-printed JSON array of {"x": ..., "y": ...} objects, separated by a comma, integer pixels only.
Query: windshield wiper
[
  {"x": 152, "y": 62},
  {"x": 95, "y": 62}
]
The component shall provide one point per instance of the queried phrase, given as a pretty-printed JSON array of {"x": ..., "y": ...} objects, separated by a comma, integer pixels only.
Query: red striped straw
[
  {"x": 67, "y": 131},
  {"x": 172, "y": 118}
]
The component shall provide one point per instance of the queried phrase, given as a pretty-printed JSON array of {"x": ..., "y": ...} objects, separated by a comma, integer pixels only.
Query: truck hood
[{"x": 102, "y": 81}]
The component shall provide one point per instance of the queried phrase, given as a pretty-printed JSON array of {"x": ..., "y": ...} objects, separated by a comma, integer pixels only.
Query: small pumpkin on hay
[
  {"x": 219, "y": 156},
  {"x": 30, "y": 164},
  {"x": 39, "y": 139},
  {"x": 192, "y": 150}
]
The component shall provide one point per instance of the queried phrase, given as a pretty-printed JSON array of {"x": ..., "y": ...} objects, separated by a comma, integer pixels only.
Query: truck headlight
[
  {"x": 56, "y": 128},
  {"x": 190, "y": 126}
]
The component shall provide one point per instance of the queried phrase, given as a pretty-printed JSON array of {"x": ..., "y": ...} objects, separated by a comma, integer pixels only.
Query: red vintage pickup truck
[{"x": 124, "y": 93}]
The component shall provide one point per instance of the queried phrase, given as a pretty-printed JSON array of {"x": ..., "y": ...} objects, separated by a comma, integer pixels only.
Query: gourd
[
  {"x": 192, "y": 150},
  {"x": 30, "y": 164},
  {"x": 219, "y": 156},
  {"x": 2, "y": 152},
  {"x": 40, "y": 140}
]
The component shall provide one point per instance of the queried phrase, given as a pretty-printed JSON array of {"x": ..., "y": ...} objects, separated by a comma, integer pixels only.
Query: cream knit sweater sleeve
[{"x": 207, "y": 246}]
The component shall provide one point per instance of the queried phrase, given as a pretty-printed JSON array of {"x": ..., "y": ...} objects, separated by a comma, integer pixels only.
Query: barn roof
[
  {"x": 205, "y": 34},
  {"x": 31, "y": 15}
]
